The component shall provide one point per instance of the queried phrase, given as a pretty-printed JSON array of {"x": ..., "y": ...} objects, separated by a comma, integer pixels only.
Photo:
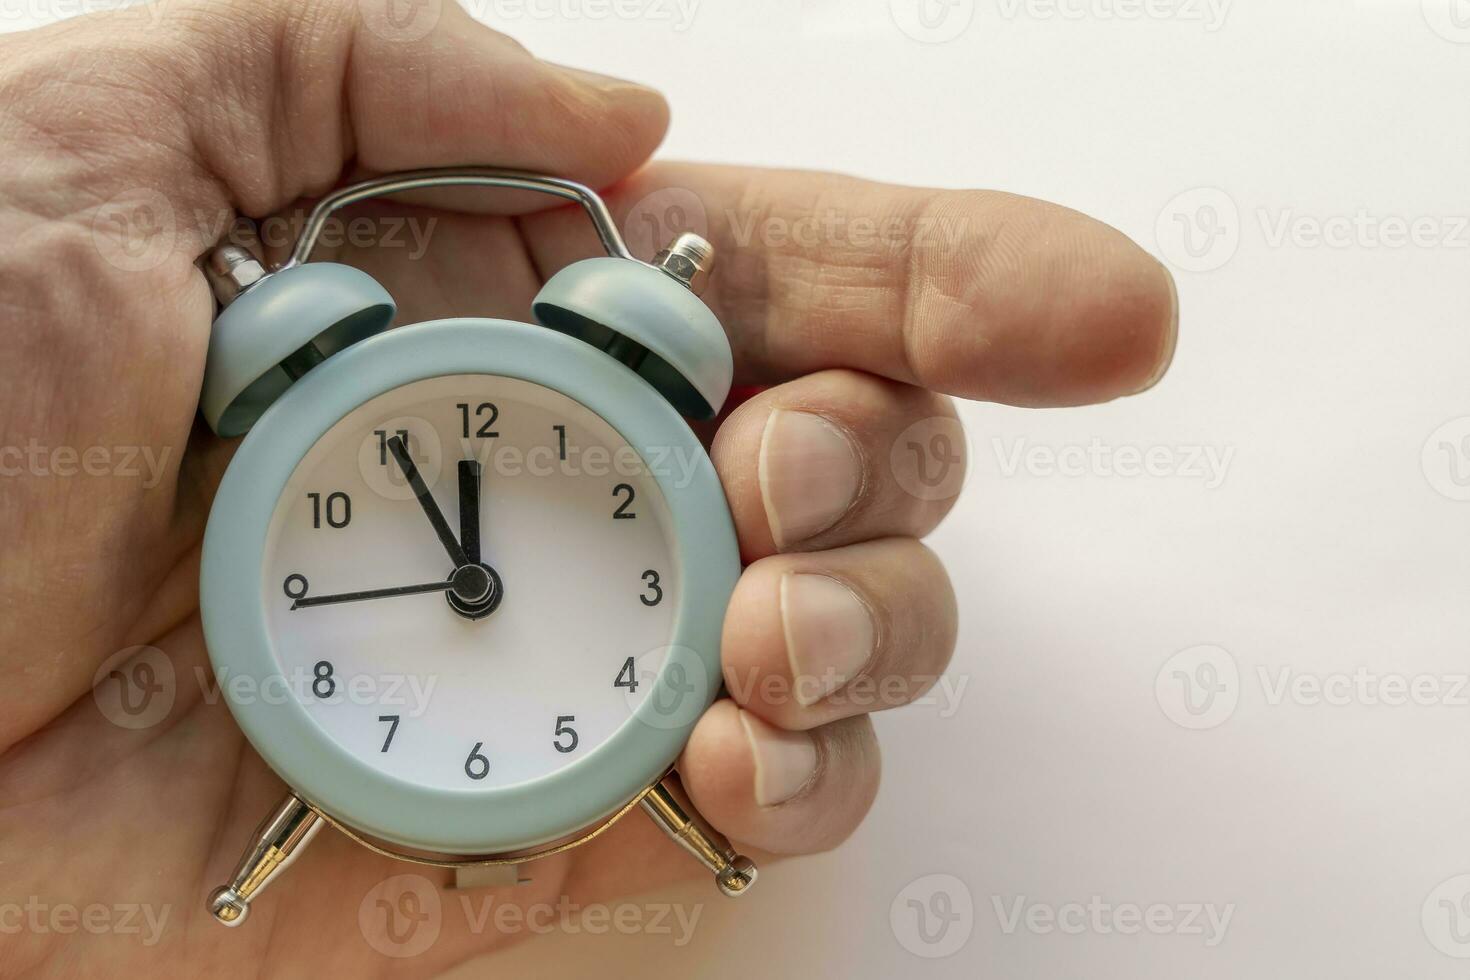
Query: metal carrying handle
[
  {"x": 413, "y": 180},
  {"x": 232, "y": 270}
]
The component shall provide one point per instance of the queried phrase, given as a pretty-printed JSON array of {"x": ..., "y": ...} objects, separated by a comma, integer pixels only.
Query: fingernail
[
  {"x": 605, "y": 83},
  {"x": 784, "y": 761},
  {"x": 810, "y": 475},
  {"x": 829, "y": 634},
  {"x": 1171, "y": 340}
]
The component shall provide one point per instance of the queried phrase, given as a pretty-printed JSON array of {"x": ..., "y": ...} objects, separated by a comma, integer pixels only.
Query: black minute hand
[
  {"x": 399, "y": 447},
  {"x": 325, "y": 600}
]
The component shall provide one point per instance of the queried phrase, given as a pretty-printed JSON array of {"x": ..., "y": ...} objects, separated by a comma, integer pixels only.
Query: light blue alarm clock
[{"x": 464, "y": 581}]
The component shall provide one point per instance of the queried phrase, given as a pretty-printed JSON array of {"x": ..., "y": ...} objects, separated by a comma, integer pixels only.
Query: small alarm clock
[{"x": 464, "y": 580}]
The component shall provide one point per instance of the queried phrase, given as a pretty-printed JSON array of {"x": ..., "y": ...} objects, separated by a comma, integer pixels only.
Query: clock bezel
[{"x": 466, "y": 821}]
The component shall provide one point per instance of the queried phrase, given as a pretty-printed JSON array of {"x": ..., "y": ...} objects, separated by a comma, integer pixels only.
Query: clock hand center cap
[
  {"x": 474, "y": 591},
  {"x": 473, "y": 583}
]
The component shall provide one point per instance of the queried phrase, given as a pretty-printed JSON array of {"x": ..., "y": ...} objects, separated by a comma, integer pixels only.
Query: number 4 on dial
[{"x": 627, "y": 677}]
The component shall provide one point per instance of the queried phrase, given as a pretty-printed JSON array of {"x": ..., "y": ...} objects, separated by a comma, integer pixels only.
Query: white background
[
  {"x": 1331, "y": 832},
  {"x": 1325, "y": 549}
]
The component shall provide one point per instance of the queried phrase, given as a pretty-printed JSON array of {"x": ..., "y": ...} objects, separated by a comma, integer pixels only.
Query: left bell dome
[{"x": 275, "y": 327}]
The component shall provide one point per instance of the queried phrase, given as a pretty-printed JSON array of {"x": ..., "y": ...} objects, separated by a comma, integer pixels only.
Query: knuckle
[
  {"x": 926, "y": 457},
  {"x": 90, "y": 86},
  {"x": 904, "y": 589},
  {"x": 915, "y": 606}
]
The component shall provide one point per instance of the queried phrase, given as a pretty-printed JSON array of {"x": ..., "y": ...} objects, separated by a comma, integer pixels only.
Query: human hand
[{"x": 191, "y": 112}]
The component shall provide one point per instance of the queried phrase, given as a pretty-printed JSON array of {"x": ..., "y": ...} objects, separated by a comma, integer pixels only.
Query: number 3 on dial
[{"x": 654, "y": 594}]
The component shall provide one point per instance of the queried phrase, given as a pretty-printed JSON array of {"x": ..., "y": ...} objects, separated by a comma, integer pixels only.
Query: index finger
[{"x": 979, "y": 294}]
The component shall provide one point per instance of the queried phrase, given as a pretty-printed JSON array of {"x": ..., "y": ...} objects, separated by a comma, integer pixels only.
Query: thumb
[{"x": 252, "y": 105}]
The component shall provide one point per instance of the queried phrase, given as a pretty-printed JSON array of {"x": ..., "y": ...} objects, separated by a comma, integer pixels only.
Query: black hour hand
[{"x": 469, "y": 509}]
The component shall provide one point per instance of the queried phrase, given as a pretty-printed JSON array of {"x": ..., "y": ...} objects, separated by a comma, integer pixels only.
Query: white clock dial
[{"x": 496, "y": 688}]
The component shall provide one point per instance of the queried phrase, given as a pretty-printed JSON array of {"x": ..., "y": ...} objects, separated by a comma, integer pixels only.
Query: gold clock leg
[
  {"x": 488, "y": 876},
  {"x": 665, "y": 803},
  {"x": 277, "y": 841}
]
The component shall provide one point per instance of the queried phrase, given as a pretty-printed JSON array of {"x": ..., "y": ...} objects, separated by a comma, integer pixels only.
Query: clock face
[{"x": 469, "y": 582}]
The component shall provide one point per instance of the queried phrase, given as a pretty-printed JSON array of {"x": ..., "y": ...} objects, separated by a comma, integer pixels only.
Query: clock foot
[
  {"x": 276, "y": 842},
  {"x": 665, "y": 803},
  {"x": 488, "y": 876}
]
